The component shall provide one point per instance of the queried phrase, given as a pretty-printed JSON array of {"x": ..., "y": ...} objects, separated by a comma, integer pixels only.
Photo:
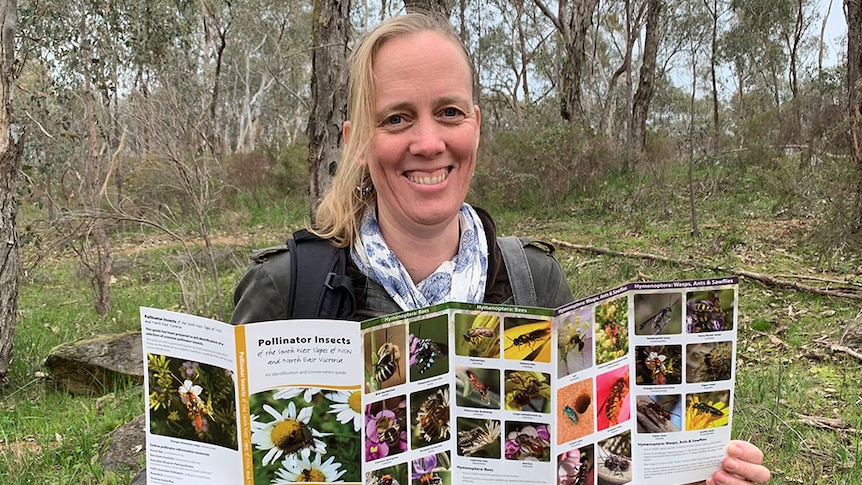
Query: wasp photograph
[
  {"x": 385, "y": 358},
  {"x": 707, "y": 410},
  {"x": 658, "y": 313},
  {"x": 576, "y": 467},
  {"x": 575, "y": 342},
  {"x": 659, "y": 413},
  {"x": 385, "y": 428},
  {"x": 527, "y": 339},
  {"x": 658, "y": 365},
  {"x": 709, "y": 362},
  {"x": 612, "y": 330},
  {"x": 709, "y": 311},
  {"x": 305, "y": 428},
  {"x": 528, "y": 391},
  {"x": 429, "y": 416},
  {"x": 477, "y": 335},
  {"x": 614, "y": 460},
  {"x": 575, "y": 411},
  {"x": 477, "y": 387},
  {"x": 192, "y": 401},
  {"x": 479, "y": 438},
  {"x": 612, "y": 394},
  {"x": 428, "y": 344}
]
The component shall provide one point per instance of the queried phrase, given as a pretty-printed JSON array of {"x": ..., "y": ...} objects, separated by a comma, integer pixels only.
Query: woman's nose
[{"x": 427, "y": 139}]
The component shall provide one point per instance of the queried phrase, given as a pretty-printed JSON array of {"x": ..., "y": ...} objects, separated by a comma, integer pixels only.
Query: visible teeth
[{"x": 428, "y": 180}]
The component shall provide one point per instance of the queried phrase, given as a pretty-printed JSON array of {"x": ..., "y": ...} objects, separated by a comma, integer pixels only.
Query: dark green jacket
[{"x": 263, "y": 292}]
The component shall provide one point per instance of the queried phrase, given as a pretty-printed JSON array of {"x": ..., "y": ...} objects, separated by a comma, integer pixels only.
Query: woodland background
[{"x": 157, "y": 142}]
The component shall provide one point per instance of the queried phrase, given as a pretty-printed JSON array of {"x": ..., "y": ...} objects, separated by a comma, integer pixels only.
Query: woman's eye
[{"x": 394, "y": 120}]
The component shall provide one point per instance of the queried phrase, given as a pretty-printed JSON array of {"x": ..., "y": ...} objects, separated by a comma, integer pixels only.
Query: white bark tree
[{"x": 10, "y": 166}]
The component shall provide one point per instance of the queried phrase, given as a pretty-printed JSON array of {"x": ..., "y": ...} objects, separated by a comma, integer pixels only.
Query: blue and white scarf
[{"x": 461, "y": 279}]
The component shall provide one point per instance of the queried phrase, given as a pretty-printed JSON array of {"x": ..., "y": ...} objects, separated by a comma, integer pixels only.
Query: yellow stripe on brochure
[{"x": 244, "y": 409}]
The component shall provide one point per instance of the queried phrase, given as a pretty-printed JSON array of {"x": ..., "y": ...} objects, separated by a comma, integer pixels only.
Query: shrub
[{"x": 540, "y": 165}]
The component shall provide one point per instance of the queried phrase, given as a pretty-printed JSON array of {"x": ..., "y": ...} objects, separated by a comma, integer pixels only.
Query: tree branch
[{"x": 760, "y": 277}]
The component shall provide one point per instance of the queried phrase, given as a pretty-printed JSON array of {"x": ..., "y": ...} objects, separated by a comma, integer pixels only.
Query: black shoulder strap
[
  {"x": 518, "y": 268},
  {"x": 319, "y": 285}
]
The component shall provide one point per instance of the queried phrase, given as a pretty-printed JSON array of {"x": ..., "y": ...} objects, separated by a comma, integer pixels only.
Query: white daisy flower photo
[
  {"x": 347, "y": 407},
  {"x": 305, "y": 470}
]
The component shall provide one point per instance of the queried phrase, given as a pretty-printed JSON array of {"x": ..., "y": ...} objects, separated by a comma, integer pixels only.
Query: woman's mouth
[{"x": 428, "y": 178}]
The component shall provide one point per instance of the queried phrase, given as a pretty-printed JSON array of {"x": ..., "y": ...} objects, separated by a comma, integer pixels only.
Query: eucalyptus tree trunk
[
  {"x": 646, "y": 82},
  {"x": 713, "y": 62},
  {"x": 572, "y": 26},
  {"x": 102, "y": 268},
  {"x": 10, "y": 165},
  {"x": 330, "y": 35},
  {"x": 853, "y": 15},
  {"x": 441, "y": 7}
]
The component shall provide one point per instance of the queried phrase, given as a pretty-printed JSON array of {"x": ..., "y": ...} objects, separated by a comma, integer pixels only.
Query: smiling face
[{"x": 426, "y": 132}]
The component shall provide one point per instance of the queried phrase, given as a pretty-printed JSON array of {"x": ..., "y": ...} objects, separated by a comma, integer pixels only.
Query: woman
[{"x": 398, "y": 198}]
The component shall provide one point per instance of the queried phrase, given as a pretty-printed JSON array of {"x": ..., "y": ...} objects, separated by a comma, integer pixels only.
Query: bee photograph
[
  {"x": 527, "y": 339},
  {"x": 612, "y": 330},
  {"x": 192, "y": 401},
  {"x": 709, "y": 311},
  {"x": 659, "y": 413},
  {"x": 479, "y": 438},
  {"x": 614, "y": 460},
  {"x": 528, "y": 391},
  {"x": 477, "y": 388},
  {"x": 385, "y": 428},
  {"x": 391, "y": 475},
  {"x": 612, "y": 396},
  {"x": 575, "y": 411},
  {"x": 709, "y": 362},
  {"x": 477, "y": 335},
  {"x": 575, "y": 467},
  {"x": 303, "y": 428},
  {"x": 658, "y": 365},
  {"x": 429, "y": 416},
  {"x": 527, "y": 441},
  {"x": 432, "y": 470},
  {"x": 707, "y": 410},
  {"x": 657, "y": 313},
  {"x": 385, "y": 358},
  {"x": 575, "y": 342},
  {"x": 428, "y": 345}
]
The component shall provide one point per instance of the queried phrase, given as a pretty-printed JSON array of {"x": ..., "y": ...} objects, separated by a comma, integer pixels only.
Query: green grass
[{"x": 748, "y": 219}]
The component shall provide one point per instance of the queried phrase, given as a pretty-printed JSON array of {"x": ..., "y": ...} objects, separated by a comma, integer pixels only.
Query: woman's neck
[{"x": 423, "y": 252}]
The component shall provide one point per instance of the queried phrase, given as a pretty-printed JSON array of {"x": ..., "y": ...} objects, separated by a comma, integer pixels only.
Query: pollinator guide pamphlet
[{"x": 633, "y": 385}]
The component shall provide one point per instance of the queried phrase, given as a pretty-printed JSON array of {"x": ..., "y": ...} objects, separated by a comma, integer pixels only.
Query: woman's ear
[{"x": 345, "y": 131}]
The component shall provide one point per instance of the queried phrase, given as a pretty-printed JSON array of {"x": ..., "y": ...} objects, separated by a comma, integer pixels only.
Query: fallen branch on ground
[
  {"x": 762, "y": 278},
  {"x": 826, "y": 423},
  {"x": 846, "y": 350}
]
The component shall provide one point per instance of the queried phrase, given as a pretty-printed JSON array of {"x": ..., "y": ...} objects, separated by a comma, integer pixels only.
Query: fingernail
[
  {"x": 730, "y": 464},
  {"x": 733, "y": 449}
]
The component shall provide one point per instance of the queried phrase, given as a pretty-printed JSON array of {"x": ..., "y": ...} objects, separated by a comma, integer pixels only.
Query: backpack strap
[
  {"x": 325, "y": 290},
  {"x": 520, "y": 276}
]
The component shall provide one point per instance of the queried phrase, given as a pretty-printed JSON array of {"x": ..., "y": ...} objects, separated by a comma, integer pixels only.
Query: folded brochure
[{"x": 634, "y": 385}]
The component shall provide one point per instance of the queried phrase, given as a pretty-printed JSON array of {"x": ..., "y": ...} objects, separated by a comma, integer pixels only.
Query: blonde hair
[{"x": 340, "y": 212}]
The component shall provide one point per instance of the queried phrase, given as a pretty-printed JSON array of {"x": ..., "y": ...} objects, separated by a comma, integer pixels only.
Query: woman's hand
[{"x": 742, "y": 466}]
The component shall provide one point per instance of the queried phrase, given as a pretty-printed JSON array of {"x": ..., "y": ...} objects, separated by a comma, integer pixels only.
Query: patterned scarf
[{"x": 461, "y": 279}]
